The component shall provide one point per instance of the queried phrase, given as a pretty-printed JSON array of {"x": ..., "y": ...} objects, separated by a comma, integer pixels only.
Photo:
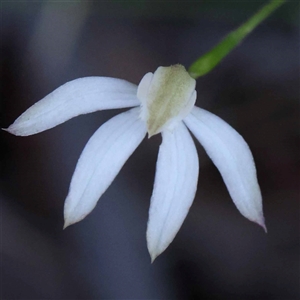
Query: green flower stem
[{"x": 208, "y": 61}]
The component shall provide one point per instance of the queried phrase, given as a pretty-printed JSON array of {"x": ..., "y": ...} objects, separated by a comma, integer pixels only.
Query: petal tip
[
  {"x": 262, "y": 224},
  {"x": 260, "y": 220},
  {"x": 153, "y": 256},
  {"x": 152, "y": 259},
  {"x": 68, "y": 222},
  {"x": 153, "y": 251},
  {"x": 16, "y": 130},
  {"x": 71, "y": 218},
  {"x": 8, "y": 129}
]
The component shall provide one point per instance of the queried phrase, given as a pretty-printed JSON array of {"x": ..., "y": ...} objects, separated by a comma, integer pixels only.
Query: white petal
[
  {"x": 232, "y": 156},
  {"x": 80, "y": 96},
  {"x": 174, "y": 188},
  {"x": 143, "y": 86},
  {"x": 101, "y": 160}
]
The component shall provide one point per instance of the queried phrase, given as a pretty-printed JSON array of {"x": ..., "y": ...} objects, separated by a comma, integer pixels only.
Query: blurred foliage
[
  {"x": 235, "y": 11},
  {"x": 217, "y": 9}
]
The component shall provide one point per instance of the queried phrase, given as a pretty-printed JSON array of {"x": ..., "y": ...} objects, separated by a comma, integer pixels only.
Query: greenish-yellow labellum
[{"x": 167, "y": 97}]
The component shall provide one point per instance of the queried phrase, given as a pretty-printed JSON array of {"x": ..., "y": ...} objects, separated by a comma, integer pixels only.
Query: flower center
[{"x": 166, "y": 96}]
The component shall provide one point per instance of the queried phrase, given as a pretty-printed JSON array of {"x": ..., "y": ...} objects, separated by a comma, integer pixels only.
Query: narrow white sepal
[
  {"x": 101, "y": 160},
  {"x": 174, "y": 190},
  {"x": 232, "y": 156},
  {"x": 79, "y": 96}
]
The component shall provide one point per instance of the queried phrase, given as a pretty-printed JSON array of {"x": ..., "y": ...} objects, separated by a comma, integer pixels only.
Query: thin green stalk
[{"x": 208, "y": 61}]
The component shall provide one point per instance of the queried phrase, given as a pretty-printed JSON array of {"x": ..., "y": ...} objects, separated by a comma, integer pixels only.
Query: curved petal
[
  {"x": 79, "y": 96},
  {"x": 101, "y": 160},
  {"x": 232, "y": 156},
  {"x": 174, "y": 190}
]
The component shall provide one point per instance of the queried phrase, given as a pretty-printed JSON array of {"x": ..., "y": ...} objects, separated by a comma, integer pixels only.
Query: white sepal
[
  {"x": 174, "y": 190},
  {"x": 101, "y": 160},
  {"x": 232, "y": 156},
  {"x": 79, "y": 96}
]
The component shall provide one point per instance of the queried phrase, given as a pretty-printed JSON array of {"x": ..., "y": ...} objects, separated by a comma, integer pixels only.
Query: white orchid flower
[{"x": 164, "y": 104}]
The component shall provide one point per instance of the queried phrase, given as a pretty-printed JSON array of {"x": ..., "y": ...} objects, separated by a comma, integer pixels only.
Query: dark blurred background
[{"x": 217, "y": 254}]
